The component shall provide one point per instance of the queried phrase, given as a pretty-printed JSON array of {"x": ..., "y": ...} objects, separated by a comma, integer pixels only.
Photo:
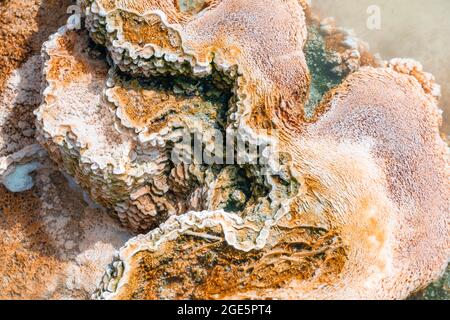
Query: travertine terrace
[{"x": 348, "y": 197}]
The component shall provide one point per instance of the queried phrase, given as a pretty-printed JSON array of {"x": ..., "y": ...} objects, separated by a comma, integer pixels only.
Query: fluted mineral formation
[{"x": 348, "y": 195}]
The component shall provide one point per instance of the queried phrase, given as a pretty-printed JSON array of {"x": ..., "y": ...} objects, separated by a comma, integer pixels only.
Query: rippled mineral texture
[{"x": 348, "y": 197}]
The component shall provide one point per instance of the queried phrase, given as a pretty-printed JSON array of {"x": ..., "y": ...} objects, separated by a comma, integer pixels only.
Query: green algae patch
[
  {"x": 320, "y": 63},
  {"x": 439, "y": 290}
]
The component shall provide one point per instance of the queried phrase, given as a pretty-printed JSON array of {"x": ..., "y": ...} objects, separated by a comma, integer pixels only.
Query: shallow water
[{"x": 408, "y": 28}]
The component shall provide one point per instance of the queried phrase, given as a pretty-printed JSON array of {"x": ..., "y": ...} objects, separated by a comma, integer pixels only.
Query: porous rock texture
[
  {"x": 53, "y": 245},
  {"x": 348, "y": 199},
  {"x": 23, "y": 28}
]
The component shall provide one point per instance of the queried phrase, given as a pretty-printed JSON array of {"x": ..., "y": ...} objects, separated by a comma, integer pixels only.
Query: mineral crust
[{"x": 348, "y": 196}]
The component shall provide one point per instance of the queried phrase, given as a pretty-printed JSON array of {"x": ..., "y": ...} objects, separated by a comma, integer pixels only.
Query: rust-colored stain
[
  {"x": 150, "y": 30},
  {"x": 190, "y": 268},
  {"x": 24, "y": 25},
  {"x": 28, "y": 264}
]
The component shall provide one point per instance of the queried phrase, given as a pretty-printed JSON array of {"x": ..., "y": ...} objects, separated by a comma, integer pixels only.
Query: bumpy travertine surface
[
  {"x": 368, "y": 224},
  {"x": 136, "y": 177},
  {"x": 348, "y": 199},
  {"x": 53, "y": 244}
]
